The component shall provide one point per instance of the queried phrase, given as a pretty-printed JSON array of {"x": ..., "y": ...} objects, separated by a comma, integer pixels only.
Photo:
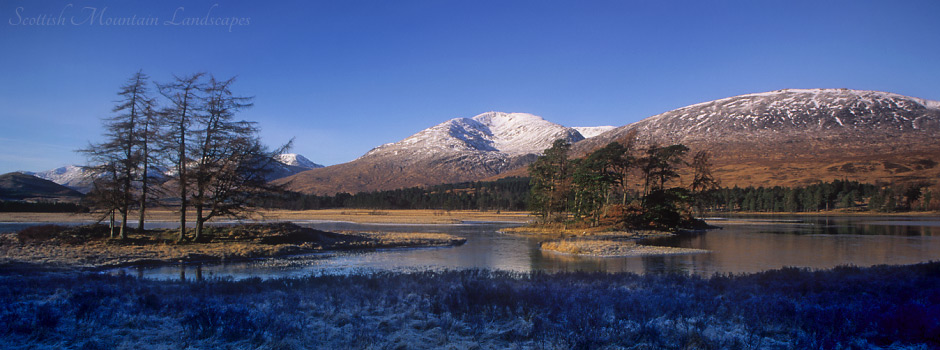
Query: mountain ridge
[
  {"x": 459, "y": 149},
  {"x": 794, "y": 137},
  {"x": 80, "y": 179}
]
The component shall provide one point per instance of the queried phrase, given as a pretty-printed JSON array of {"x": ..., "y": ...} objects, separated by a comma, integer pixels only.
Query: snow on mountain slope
[
  {"x": 523, "y": 133},
  {"x": 290, "y": 164},
  {"x": 71, "y": 176},
  {"x": 797, "y": 110},
  {"x": 294, "y": 159},
  {"x": 591, "y": 131},
  {"x": 497, "y": 133},
  {"x": 798, "y": 136},
  {"x": 460, "y": 149}
]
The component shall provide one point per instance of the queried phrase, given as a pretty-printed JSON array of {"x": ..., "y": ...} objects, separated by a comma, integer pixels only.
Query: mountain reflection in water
[{"x": 743, "y": 245}]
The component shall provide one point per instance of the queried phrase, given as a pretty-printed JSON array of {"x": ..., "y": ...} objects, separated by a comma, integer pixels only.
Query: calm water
[{"x": 742, "y": 245}]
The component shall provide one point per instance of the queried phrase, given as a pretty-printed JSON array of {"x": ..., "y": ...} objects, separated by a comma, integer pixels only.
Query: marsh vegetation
[{"x": 846, "y": 307}]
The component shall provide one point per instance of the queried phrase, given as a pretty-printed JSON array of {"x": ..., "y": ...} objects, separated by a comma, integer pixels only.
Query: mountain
[
  {"x": 294, "y": 159},
  {"x": 796, "y": 137},
  {"x": 71, "y": 176},
  {"x": 290, "y": 164},
  {"x": 19, "y": 186},
  {"x": 460, "y": 149}
]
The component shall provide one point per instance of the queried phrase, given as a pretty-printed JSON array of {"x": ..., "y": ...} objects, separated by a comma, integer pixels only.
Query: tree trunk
[
  {"x": 182, "y": 175},
  {"x": 143, "y": 186},
  {"x": 125, "y": 203},
  {"x": 111, "y": 222},
  {"x": 199, "y": 222},
  {"x": 124, "y": 224}
]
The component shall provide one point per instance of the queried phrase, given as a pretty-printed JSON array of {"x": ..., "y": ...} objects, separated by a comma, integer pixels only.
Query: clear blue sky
[{"x": 345, "y": 76}]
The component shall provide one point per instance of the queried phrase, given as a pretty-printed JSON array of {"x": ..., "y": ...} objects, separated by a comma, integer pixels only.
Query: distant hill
[
  {"x": 796, "y": 137},
  {"x": 80, "y": 179},
  {"x": 71, "y": 176},
  {"x": 19, "y": 186}
]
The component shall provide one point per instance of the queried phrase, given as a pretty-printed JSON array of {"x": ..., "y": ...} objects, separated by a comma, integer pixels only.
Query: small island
[
  {"x": 585, "y": 206},
  {"x": 89, "y": 246}
]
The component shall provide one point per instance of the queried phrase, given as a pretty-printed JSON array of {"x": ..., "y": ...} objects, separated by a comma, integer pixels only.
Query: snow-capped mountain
[
  {"x": 71, "y": 176},
  {"x": 495, "y": 133},
  {"x": 294, "y": 159},
  {"x": 797, "y": 136},
  {"x": 290, "y": 164},
  {"x": 460, "y": 149}
]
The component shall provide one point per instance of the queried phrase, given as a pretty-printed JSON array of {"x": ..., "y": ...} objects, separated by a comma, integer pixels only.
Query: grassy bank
[
  {"x": 846, "y": 307},
  {"x": 351, "y": 215},
  {"x": 51, "y": 246}
]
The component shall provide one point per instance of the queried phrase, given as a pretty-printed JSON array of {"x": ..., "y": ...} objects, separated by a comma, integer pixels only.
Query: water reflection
[{"x": 743, "y": 245}]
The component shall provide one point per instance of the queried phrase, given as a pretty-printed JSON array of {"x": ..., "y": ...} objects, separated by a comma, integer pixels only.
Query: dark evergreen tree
[{"x": 550, "y": 181}]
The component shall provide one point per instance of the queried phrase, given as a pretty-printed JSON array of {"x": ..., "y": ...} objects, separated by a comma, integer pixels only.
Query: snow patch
[
  {"x": 591, "y": 131},
  {"x": 294, "y": 159}
]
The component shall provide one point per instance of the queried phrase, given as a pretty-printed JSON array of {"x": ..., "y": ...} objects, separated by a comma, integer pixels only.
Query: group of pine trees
[
  {"x": 601, "y": 188},
  {"x": 188, "y": 146}
]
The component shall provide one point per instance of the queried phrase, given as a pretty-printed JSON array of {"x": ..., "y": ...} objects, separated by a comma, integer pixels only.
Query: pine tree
[{"x": 550, "y": 181}]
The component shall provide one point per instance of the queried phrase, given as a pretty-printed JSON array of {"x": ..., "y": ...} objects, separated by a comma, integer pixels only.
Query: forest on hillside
[{"x": 512, "y": 194}]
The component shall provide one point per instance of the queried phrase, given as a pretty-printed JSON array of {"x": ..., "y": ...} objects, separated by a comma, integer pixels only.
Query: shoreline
[
  {"x": 822, "y": 213},
  {"x": 158, "y": 248},
  {"x": 396, "y": 216}
]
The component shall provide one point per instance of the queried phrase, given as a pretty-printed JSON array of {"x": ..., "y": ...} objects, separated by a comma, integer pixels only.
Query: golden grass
[
  {"x": 611, "y": 248},
  {"x": 560, "y": 231},
  {"x": 416, "y": 216},
  {"x": 350, "y": 215}
]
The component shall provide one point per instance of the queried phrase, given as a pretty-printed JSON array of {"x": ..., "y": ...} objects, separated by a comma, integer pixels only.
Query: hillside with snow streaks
[
  {"x": 798, "y": 136},
  {"x": 591, "y": 131},
  {"x": 801, "y": 110},
  {"x": 71, "y": 176}
]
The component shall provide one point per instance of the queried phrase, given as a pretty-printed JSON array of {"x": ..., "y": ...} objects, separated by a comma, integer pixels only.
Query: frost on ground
[{"x": 843, "y": 308}]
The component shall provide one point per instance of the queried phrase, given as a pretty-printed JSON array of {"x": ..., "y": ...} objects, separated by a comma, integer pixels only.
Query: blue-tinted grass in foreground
[{"x": 843, "y": 308}]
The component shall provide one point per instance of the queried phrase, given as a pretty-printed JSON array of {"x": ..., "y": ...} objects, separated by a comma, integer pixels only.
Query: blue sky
[{"x": 342, "y": 77}]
